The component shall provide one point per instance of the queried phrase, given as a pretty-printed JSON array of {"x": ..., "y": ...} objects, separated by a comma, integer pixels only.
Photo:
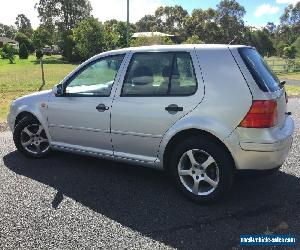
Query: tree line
[{"x": 70, "y": 24}]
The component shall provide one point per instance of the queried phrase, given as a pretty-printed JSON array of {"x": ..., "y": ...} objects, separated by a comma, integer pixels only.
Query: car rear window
[{"x": 262, "y": 74}]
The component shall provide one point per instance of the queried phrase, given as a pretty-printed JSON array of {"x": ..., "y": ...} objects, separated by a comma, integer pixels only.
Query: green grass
[
  {"x": 24, "y": 77},
  {"x": 292, "y": 91}
]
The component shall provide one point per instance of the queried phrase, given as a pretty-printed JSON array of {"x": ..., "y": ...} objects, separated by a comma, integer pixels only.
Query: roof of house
[{"x": 150, "y": 34}]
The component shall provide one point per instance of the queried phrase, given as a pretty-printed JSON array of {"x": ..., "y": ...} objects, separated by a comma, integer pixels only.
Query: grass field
[{"x": 24, "y": 77}]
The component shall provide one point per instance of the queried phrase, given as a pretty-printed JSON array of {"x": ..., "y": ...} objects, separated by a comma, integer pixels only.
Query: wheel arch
[
  {"x": 36, "y": 114},
  {"x": 23, "y": 114},
  {"x": 186, "y": 133}
]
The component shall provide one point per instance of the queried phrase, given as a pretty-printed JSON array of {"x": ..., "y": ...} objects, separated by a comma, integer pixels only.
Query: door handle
[
  {"x": 173, "y": 108},
  {"x": 101, "y": 107}
]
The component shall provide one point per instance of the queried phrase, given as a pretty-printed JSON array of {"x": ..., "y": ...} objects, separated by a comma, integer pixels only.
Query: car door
[
  {"x": 158, "y": 89},
  {"x": 80, "y": 118}
]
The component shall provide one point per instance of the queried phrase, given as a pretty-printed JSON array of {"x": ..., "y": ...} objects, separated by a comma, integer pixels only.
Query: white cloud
[
  {"x": 117, "y": 9},
  {"x": 287, "y": 1},
  {"x": 266, "y": 9}
]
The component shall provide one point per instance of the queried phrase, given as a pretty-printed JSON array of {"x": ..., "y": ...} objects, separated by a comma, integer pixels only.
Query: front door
[
  {"x": 158, "y": 89},
  {"x": 81, "y": 117}
]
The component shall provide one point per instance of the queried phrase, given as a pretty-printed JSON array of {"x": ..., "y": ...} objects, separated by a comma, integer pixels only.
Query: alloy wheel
[
  {"x": 34, "y": 139},
  {"x": 198, "y": 172}
]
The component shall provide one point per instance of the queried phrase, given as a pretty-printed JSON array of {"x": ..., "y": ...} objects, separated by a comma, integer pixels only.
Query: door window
[
  {"x": 95, "y": 79},
  {"x": 160, "y": 74}
]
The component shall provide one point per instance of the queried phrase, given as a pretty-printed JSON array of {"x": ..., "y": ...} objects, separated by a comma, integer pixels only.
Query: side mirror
[{"x": 58, "y": 90}]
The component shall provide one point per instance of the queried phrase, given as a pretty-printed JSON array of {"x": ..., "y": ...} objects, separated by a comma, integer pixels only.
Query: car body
[{"x": 142, "y": 124}]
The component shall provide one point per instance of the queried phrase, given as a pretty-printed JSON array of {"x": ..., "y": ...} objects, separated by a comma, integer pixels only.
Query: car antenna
[{"x": 233, "y": 40}]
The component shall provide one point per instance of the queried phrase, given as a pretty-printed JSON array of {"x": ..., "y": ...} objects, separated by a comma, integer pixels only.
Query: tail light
[
  {"x": 286, "y": 97},
  {"x": 262, "y": 114}
]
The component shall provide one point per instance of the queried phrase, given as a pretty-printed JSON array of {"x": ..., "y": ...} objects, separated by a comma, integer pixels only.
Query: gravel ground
[{"x": 75, "y": 202}]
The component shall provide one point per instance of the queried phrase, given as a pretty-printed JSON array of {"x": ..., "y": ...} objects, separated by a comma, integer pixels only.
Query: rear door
[{"x": 158, "y": 89}]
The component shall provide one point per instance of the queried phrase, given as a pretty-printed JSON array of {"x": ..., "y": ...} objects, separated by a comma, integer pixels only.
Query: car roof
[
  {"x": 177, "y": 47},
  {"x": 168, "y": 48}
]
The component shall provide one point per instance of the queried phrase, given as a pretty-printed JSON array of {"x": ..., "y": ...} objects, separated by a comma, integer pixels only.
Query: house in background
[
  {"x": 150, "y": 34},
  {"x": 5, "y": 40}
]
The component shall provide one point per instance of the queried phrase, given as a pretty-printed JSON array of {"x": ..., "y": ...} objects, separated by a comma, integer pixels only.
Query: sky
[{"x": 259, "y": 12}]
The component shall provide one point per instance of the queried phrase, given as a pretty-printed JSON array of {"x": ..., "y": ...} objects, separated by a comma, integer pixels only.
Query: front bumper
[
  {"x": 11, "y": 121},
  {"x": 269, "y": 149}
]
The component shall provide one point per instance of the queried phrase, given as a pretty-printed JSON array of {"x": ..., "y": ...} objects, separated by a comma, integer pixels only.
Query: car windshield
[{"x": 260, "y": 71}]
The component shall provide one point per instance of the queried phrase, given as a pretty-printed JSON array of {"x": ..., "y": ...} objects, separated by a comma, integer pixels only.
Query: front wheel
[
  {"x": 202, "y": 169},
  {"x": 30, "y": 138}
]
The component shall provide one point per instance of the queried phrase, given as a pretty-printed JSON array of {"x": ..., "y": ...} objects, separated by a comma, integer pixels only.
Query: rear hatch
[{"x": 266, "y": 80}]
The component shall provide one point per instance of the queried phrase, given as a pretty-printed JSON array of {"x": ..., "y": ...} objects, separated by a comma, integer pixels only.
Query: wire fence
[{"x": 279, "y": 65}]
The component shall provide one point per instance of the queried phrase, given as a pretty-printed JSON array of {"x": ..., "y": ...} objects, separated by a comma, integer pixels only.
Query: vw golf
[{"x": 200, "y": 112}]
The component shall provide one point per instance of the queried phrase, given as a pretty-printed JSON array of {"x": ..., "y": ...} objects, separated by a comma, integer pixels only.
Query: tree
[
  {"x": 89, "y": 37},
  {"x": 194, "y": 39},
  {"x": 23, "y": 51},
  {"x": 170, "y": 19},
  {"x": 203, "y": 24},
  {"x": 271, "y": 27},
  {"x": 41, "y": 37},
  {"x": 23, "y": 39},
  {"x": 289, "y": 28},
  {"x": 146, "y": 24},
  {"x": 68, "y": 44},
  {"x": 24, "y": 25},
  {"x": 230, "y": 20},
  {"x": 153, "y": 40},
  {"x": 63, "y": 13},
  {"x": 7, "y": 31},
  {"x": 289, "y": 52},
  {"x": 291, "y": 15},
  {"x": 296, "y": 44},
  {"x": 260, "y": 39},
  {"x": 116, "y": 34}
]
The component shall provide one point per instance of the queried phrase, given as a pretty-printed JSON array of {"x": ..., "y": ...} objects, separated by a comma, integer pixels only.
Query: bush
[
  {"x": 23, "y": 39},
  {"x": 39, "y": 54},
  {"x": 23, "y": 52},
  {"x": 8, "y": 52}
]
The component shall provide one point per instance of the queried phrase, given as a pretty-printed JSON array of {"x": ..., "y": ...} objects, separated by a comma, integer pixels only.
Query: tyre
[
  {"x": 30, "y": 138},
  {"x": 202, "y": 169}
]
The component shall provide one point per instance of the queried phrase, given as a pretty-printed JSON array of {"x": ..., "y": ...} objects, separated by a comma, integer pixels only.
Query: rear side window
[
  {"x": 260, "y": 71},
  {"x": 160, "y": 74}
]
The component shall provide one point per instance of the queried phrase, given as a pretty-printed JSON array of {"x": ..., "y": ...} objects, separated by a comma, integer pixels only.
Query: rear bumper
[{"x": 269, "y": 149}]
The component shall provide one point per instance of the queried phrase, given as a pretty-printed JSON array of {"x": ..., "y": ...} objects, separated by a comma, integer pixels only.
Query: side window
[
  {"x": 148, "y": 74},
  {"x": 183, "y": 79},
  {"x": 96, "y": 79},
  {"x": 160, "y": 73}
]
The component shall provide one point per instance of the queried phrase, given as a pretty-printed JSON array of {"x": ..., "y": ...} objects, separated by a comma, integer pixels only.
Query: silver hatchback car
[{"x": 200, "y": 112}]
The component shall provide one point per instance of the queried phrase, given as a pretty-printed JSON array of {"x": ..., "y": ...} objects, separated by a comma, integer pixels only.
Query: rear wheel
[
  {"x": 30, "y": 138},
  {"x": 202, "y": 169}
]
